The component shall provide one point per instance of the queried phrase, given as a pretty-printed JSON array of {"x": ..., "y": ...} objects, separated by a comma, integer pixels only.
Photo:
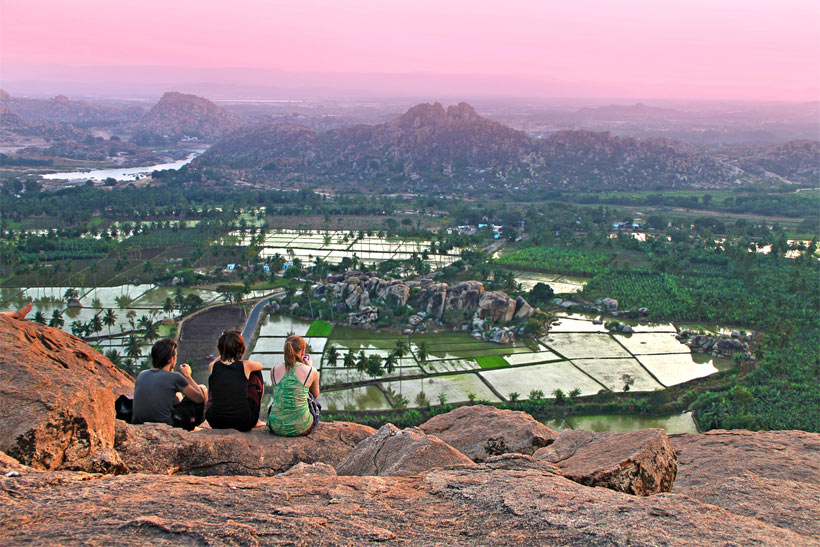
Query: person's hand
[
  {"x": 185, "y": 369},
  {"x": 306, "y": 359}
]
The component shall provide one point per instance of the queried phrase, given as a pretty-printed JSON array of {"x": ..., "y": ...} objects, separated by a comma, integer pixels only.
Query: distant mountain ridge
[
  {"x": 456, "y": 147},
  {"x": 61, "y": 109}
]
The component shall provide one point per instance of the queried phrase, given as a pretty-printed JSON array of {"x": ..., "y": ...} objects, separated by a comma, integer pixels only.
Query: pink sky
[{"x": 742, "y": 49}]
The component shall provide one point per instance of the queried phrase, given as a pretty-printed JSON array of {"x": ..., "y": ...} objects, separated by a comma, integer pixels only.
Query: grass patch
[
  {"x": 491, "y": 361},
  {"x": 320, "y": 329},
  {"x": 167, "y": 331}
]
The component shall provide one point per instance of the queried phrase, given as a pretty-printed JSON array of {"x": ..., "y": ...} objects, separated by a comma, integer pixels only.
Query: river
[{"x": 122, "y": 174}]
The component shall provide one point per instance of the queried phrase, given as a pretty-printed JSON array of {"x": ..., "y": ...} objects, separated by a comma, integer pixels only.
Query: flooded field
[
  {"x": 560, "y": 284},
  {"x": 575, "y": 355},
  {"x": 675, "y": 423},
  {"x": 333, "y": 246}
]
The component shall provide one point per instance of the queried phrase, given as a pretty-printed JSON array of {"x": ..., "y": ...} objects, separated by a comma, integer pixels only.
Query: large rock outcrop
[
  {"x": 395, "y": 452},
  {"x": 510, "y": 501},
  {"x": 482, "y": 431},
  {"x": 161, "y": 449},
  {"x": 771, "y": 476},
  {"x": 641, "y": 462},
  {"x": 57, "y": 399}
]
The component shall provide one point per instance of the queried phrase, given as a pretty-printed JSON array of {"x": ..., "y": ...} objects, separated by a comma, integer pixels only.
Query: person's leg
[{"x": 188, "y": 414}]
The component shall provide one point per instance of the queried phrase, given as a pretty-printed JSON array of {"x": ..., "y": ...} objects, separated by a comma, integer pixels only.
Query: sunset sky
[{"x": 743, "y": 49}]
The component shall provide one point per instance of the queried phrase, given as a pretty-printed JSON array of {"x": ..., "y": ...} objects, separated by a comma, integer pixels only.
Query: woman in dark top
[{"x": 235, "y": 387}]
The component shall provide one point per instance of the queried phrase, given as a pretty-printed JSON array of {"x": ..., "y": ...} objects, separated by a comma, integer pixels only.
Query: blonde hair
[{"x": 293, "y": 345}]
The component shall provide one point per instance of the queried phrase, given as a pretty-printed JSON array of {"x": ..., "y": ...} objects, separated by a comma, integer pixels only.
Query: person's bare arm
[
  {"x": 192, "y": 390},
  {"x": 251, "y": 366},
  {"x": 211, "y": 366},
  {"x": 314, "y": 384}
]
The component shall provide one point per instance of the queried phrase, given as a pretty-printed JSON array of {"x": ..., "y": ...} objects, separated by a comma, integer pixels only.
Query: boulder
[
  {"x": 162, "y": 449},
  {"x": 482, "y": 431},
  {"x": 464, "y": 296},
  {"x": 354, "y": 296},
  {"x": 771, "y": 476},
  {"x": 730, "y": 346},
  {"x": 399, "y": 291},
  {"x": 522, "y": 309},
  {"x": 57, "y": 399},
  {"x": 641, "y": 462},
  {"x": 496, "y": 306},
  {"x": 609, "y": 304},
  {"x": 395, "y": 452},
  {"x": 432, "y": 299}
]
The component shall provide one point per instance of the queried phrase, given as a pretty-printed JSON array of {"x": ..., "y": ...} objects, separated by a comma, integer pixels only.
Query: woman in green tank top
[{"x": 289, "y": 414}]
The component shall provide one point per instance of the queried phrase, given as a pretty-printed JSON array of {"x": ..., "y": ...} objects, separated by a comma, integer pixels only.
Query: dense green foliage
[
  {"x": 777, "y": 295},
  {"x": 556, "y": 259}
]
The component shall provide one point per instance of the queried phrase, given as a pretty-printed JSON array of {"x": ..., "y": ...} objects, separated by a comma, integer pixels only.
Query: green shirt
[{"x": 289, "y": 414}]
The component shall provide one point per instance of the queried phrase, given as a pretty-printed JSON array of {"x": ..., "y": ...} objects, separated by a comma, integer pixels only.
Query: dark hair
[
  {"x": 293, "y": 345},
  {"x": 231, "y": 346},
  {"x": 162, "y": 352}
]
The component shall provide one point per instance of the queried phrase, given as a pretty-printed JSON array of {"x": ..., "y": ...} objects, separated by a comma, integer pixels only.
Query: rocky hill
[
  {"x": 477, "y": 475},
  {"x": 178, "y": 115},
  {"x": 797, "y": 161},
  {"x": 455, "y": 148}
]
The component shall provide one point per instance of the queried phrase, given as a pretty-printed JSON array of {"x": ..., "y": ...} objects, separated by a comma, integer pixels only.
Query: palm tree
[
  {"x": 70, "y": 293},
  {"x": 114, "y": 356},
  {"x": 332, "y": 356},
  {"x": 423, "y": 352},
  {"x": 349, "y": 361},
  {"x": 40, "y": 318},
  {"x": 109, "y": 319},
  {"x": 168, "y": 306},
  {"x": 151, "y": 333},
  {"x": 96, "y": 323},
  {"x": 132, "y": 348},
  {"x": 132, "y": 315},
  {"x": 390, "y": 363},
  {"x": 361, "y": 362},
  {"x": 400, "y": 351},
  {"x": 56, "y": 319}
]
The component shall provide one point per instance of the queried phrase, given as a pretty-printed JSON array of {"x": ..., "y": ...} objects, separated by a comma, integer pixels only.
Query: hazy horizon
[{"x": 635, "y": 50}]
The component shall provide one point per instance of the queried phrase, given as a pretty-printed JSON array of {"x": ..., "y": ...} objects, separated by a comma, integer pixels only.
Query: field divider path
[
  {"x": 568, "y": 360},
  {"x": 639, "y": 361}
]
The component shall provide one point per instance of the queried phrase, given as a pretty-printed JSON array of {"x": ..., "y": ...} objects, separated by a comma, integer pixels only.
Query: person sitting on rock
[
  {"x": 157, "y": 392},
  {"x": 294, "y": 410},
  {"x": 235, "y": 387}
]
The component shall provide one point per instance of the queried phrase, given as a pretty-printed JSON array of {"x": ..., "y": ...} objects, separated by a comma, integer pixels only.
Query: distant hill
[
  {"x": 456, "y": 148},
  {"x": 178, "y": 115},
  {"x": 796, "y": 161},
  {"x": 61, "y": 109}
]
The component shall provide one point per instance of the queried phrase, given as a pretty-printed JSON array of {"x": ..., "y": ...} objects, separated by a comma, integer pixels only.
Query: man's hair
[
  {"x": 162, "y": 352},
  {"x": 231, "y": 346}
]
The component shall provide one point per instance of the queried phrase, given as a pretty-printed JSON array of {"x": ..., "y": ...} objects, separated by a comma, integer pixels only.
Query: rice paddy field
[
  {"x": 576, "y": 354},
  {"x": 333, "y": 246}
]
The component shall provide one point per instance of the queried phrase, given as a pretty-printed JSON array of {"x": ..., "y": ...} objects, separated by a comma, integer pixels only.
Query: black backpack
[{"x": 124, "y": 405}]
